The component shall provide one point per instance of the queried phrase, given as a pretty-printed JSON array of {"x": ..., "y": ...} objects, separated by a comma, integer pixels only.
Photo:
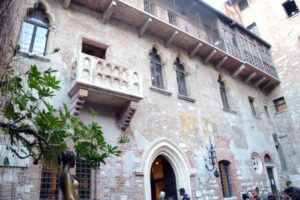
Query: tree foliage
[{"x": 30, "y": 120}]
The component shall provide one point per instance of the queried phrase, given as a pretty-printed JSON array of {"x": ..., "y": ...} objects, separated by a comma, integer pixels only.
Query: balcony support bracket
[
  {"x": 209, "y": 57},
  {"x": 78, "y": 100},
  {"x": 145, "y": 27},
  {"x": 127, "y": 115},
  {"x": 250, "y": 77},
  {"x": 238, "y": 71},
  {"x": 195, "y": 50},
  {"x": 220, "y": 63},
  {"x": 260, "y": 81},
  {"x": 171, "y": 39},
  {"x": 109, "y": 11}
]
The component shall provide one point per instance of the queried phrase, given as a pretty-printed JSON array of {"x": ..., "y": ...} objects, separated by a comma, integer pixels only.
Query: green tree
[{"x": 29, "y": 119}]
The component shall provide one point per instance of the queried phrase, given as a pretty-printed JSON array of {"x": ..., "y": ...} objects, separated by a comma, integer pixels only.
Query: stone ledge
[
  {"x": 161, "y": 91},
  {"x": 280, "y": 112},
  {"x": 186, "y": 98},
  {"x": 229, "y": 110},
  {"x": 34, "y": 56}
]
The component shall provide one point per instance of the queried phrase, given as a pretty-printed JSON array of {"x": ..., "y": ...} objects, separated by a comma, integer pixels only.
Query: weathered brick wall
[
  {"x": 282, "y": 33},
  {"x": 236, "y": 135}
]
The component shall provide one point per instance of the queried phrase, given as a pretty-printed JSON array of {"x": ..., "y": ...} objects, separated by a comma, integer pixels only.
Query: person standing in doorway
[{"x": 183, "y": 194}]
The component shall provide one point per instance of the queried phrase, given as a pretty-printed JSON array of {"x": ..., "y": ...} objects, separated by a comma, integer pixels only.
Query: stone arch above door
[{"x": 176, "y": 157}]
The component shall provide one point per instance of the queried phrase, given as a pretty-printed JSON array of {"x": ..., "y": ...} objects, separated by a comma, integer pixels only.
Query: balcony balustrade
[
  {"x": 212, "y": 37},
  {"x": 99, "y": 81}
]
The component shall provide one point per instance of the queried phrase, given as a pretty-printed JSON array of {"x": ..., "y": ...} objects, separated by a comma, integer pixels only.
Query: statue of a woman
[{"x": 68, "y": 182}]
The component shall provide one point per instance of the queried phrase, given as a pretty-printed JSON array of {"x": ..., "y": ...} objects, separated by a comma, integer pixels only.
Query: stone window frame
[
  {"x": 257, "y": 164},
  {"x": 45, "y": 9},
  {"x": 225, "y": 177}
]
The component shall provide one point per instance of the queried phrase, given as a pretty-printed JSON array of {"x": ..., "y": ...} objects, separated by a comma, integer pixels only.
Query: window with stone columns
[
  {"x": 49, "y": 188},
  {"x": 224, "y": 167},
  {"x": 156, "y": 69},
  {"x": 83, "y": 175},
  {"x": 34, "y": 31},
  {"x": 256, "y": 163},
  {"x": 181, "y": 77}
]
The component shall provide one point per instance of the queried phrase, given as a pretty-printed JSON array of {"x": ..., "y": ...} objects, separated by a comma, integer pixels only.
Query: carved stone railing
[
  {"x": 99, "y": 81},
  {"x": 103, "y": 74}
]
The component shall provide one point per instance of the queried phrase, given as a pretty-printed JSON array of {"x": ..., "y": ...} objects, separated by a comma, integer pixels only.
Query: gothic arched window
[
  {"x": 156, "y": 69},
  {"x": 180, "y": 74},
  {"x": 34, "y": 31},
  {"x": 224, "y": 167},
  {"x": 223, "y": 93}
]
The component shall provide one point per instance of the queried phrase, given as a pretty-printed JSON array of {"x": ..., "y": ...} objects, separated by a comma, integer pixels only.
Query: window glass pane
[
  {"x": 40, "y": 41},
  {"x": 26, "y": 36}
]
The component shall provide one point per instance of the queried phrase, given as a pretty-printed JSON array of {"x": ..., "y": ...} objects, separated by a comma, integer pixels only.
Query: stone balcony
[
  {"x": 248, "y": 58},
  {"x": 101, "y": 82}
]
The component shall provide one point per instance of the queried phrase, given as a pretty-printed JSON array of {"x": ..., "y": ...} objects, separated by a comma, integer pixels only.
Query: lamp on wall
[{"x": 212, "y": 159}]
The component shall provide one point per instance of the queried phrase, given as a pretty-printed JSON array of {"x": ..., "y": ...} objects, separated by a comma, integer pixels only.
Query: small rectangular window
[
  {"x": 253, "y": 28},
  {"x": 290, "y": 8},
  {"x": 280, "y": 104},
  {"x": 267, "y": 111},
  {"x": 243, "y": 4},
  {"x": 96, "y": 51},
  {"x": 251, "y": 101}
]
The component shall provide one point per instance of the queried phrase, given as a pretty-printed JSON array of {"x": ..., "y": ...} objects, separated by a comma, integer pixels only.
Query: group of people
[
  {"x": 185, "y": 196},
  {"x": 290, "y": 193},
  {"x": 252, "y": 194}
]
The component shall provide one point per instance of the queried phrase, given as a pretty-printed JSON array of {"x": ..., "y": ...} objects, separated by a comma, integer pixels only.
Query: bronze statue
[{"x": 68, "y": 182}]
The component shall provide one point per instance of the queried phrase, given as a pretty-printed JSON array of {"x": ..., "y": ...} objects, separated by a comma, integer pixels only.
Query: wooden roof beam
[
  {"x": 238, "y": 71},
  {"x": 221, "y": 62},
  {"x": 171, "y": 39},
  {"x": 145, "y": 27},
  {"x": 195, "y": 50},
  {"x": 250, "y": 77},
  {"x": 109, "y": 11},
  {"x": 260, "y": 81},
  {"x": 209, "y": 56}
]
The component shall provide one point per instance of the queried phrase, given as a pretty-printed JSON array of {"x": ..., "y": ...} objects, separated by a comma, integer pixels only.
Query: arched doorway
[
  {"x": 176, "y": 158},
  {"x": 163, "y": 179}
]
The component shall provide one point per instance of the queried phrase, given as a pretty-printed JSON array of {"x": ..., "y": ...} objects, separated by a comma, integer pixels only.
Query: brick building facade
[
  {"x": 172, "y": 78},
  {"x": 277, "y": 22}
]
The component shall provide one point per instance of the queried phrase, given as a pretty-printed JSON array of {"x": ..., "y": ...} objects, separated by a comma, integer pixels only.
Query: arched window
[
  {"x": 180, "y": 74},
  {"x": 256, "y": 163},
  {"x": 224, "y": 167},
  {"x": 223, "y": 92},
  {"x": 156, "y": 69},
  {"x": 34, "y": 31},
  {"x": 267, "y": 159}
]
